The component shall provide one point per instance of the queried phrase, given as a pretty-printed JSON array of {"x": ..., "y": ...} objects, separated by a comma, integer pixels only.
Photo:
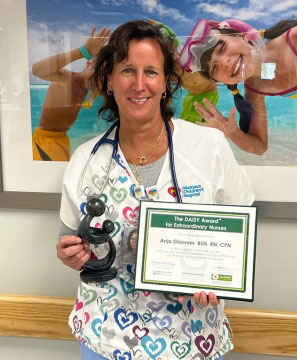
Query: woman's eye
[
  {"x": 151, "y": 72},
  {"x": 127, "y": 71}
]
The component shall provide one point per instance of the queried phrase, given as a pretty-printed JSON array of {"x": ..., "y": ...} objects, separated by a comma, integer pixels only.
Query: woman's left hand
[
  {"x": 203, "y": 299},
  {"x": 215, "y": 119}
]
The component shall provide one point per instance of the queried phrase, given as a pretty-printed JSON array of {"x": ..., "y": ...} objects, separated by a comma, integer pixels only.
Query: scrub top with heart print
[{"x": 112, "y": 318}]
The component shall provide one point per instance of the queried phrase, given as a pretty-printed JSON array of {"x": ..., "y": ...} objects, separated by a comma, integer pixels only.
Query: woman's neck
[
  {"x": 141, "y": 133},
  {"x": 147, "y": 140}
]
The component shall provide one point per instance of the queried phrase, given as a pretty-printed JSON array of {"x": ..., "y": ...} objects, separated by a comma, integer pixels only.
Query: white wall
[{"x": 29, "y": 266}]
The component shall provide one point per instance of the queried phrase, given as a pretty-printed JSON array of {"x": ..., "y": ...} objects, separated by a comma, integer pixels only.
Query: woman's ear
[{"x": 109, "y": 83}]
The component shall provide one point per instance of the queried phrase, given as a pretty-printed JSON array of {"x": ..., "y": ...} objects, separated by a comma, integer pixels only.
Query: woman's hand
[
  {"x": 215, "y": 119},
  {"x": 73, "y": 251},
  {"x": 95, "y": 42},
  {"x": 203, "y": 299}
]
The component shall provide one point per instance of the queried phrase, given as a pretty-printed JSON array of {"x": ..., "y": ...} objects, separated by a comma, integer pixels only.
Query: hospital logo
[{"x": 192, "y": 191}]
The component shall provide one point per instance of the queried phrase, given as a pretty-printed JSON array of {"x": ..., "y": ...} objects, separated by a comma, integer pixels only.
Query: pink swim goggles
[{"x": 205, "y": 35}]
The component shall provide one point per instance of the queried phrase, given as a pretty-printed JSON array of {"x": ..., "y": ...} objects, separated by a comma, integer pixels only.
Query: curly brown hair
[{"x": 117, "y": 49}]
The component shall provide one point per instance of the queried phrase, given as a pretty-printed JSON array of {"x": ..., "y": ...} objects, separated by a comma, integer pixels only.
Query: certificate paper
[{"x": 185, "y": 248}]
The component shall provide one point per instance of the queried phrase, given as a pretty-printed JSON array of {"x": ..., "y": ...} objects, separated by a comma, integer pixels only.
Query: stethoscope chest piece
[{"x": 98, "y": 270}]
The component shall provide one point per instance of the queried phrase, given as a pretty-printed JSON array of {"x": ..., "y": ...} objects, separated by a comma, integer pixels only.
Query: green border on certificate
[{"x": 184, "y": 248}]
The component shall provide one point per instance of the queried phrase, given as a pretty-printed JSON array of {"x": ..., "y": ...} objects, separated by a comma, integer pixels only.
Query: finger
[
  {"x": 232, "y": 113},
  {"x": 86, "y": 245},
  {"x": 213, "y": 300},
  {"x": 78, "y": 257},
  {"x": 203, "y": 299},
  {"x": 77, "y": 265},
  {"x": 106, "y": 36},
  {"x": 181, "y": 298},
  {"x": 196, "y": 297},
  {"x": 66, "y": 241},
  {"x": 92, "y": 31},
  {"x": 103, "y": 32},
  {"x": 202, "y": 111},
  {"x": 70, "y": 251},
  {"x": 211, "y": 107}
]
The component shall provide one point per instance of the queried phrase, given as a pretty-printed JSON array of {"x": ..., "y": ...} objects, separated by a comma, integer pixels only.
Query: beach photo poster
[{"x": 49, "y": 28}]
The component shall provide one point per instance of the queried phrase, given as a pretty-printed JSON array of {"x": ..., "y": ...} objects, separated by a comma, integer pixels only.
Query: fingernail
[{"x": 181, "y": 298}]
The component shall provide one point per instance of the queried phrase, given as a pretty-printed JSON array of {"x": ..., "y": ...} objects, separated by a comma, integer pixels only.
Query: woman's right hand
[{"x": 73, "y": 251}]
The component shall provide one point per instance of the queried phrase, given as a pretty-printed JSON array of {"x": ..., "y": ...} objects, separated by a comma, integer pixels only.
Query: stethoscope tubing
[{"x": 115, "y": 144}]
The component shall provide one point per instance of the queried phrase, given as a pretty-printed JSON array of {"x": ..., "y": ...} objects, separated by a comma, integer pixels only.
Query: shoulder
[
  {"x": 186, "y": 130},
  {"x": 198, "y": 142}
]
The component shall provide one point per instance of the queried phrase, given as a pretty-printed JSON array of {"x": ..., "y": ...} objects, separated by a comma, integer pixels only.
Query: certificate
[{"x": 185, "y": 248}]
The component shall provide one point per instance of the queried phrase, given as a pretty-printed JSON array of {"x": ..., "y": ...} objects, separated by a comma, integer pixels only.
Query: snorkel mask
[{"x": 205, "y": 35}]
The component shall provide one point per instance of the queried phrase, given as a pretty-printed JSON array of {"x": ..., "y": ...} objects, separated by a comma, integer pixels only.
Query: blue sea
[{"x": 282, "y": 125}]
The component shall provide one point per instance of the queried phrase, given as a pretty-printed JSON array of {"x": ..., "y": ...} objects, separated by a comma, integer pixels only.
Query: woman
[
  {"x": 231, "y": 52},
  {"x": 132, "y": 242},
  {"x": 136, "y": 70}
]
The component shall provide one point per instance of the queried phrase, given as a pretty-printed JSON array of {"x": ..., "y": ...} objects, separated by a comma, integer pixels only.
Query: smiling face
[
  {"x": 139, "y": 81},
  {"x": 232, "y": 60},
  {"x": 133, "y": 242}
]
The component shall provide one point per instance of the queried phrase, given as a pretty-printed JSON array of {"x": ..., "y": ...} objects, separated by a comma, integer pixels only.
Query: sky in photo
[{"x": 59, "y": 25}]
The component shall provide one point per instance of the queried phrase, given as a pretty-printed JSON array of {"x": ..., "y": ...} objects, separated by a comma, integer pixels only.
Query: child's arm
[{"x": 51, "y": 68}]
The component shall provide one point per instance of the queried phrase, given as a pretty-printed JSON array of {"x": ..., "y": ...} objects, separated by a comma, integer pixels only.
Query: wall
[{"x": 29, "y": 266}]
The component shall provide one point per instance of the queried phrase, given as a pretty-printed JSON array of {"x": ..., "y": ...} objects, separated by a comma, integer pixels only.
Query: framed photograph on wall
[{"x": 32, "y": 30}]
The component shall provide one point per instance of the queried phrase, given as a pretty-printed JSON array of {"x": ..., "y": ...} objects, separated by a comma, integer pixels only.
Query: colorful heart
[
  {"x": 78, "y": 306},
  {"x": 180, "y": 350},
  {"x": 122, "y": 179},
  {"x": 130, "y": 214},
  {"x": 196, "y": 325},
  {"x": 205, "y": 346},
  {"x": 124, "y": 319},
  {"x": 153, "y": 348},
  {"x": 211, "y": 316},
  {"x": 140, "y": 333},
  {"x": 118, "y": 355},
  {"x": 118, "y": 195},
  {"x": 174, "y": 309},
  {"x": 97, "y": 327},
  {"x": 172, "y": 192}
]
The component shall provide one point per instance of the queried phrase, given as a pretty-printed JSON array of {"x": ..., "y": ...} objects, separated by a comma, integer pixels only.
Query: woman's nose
[{"x": 139, "y": 82}]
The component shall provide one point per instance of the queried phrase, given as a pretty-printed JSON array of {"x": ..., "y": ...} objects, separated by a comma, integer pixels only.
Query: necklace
[{"x": 143, "y": 158}]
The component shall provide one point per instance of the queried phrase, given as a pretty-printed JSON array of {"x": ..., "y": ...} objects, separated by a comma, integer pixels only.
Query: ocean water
[{"x": 282, "y": 125}]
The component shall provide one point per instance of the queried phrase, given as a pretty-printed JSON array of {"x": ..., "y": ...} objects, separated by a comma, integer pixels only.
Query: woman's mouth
[{"x": 139, "y": 100}]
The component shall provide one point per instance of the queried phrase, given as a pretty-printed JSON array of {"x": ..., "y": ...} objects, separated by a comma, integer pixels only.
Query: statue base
[{"x": 91, "y": 275}]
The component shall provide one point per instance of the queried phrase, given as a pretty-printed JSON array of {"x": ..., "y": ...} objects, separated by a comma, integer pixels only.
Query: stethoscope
[{"x": 115, "y": 144}]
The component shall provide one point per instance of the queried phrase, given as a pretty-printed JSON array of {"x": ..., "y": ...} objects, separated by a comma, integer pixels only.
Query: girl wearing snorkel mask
[
  {"x": 198, "y": 87},
  {"x": 232, "y": 51}
]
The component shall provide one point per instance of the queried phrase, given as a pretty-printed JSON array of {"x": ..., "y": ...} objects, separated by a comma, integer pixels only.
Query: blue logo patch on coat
[{"x": 192, "y": 191}]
